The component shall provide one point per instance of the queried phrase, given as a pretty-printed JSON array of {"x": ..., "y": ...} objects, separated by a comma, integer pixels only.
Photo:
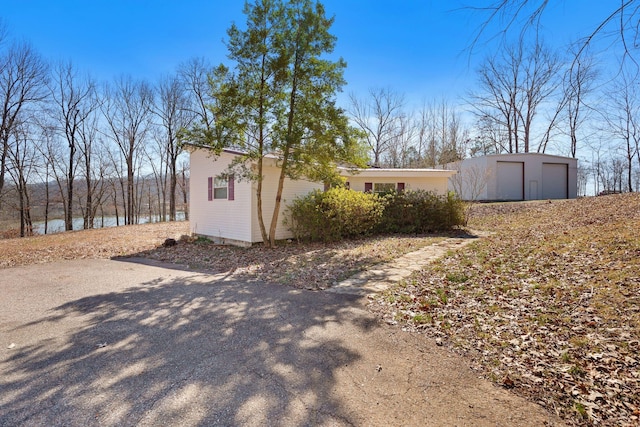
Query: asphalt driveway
[{"x": 95, "y": 342}]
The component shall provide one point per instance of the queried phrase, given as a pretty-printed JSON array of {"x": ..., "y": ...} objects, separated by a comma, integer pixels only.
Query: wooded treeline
[
  {"x": 75, "y": 147},
  {"x": 527, "y": 97}
]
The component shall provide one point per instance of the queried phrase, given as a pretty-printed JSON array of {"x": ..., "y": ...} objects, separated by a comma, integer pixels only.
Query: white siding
[
  {"x": 219, "y": 219},
  {"x": 290, "y": 191}
]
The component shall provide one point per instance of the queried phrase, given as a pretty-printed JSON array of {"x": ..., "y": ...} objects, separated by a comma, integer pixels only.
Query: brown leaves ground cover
[
  {"x": 548, "y": 305},
  {"x": 303, "y": 265},
  {"x": 97, "y": 243}
]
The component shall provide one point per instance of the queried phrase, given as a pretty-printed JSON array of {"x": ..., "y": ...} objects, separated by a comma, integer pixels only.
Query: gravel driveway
[{"x": 105, "y": 342}]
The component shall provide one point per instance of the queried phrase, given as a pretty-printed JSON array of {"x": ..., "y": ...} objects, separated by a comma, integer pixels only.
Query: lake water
[{"x": 57, "y": 225}]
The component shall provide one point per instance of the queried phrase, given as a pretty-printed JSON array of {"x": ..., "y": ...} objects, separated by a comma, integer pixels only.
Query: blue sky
[{"x": 416, "y": 47}]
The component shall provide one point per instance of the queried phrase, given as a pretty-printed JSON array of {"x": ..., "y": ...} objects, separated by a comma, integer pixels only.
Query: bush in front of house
[
  {"x": 420, "y": 211},
  {"x": 334, "y": 214},
  {"x": 342, "y": 213}
]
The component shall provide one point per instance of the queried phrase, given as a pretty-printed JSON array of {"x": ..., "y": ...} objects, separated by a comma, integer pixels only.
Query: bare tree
[
  {"x": 172, "y": 109},
  {"x": 127, "y": 108},
  {"x": 74, "y": 102},
  {"x": 183, "y": 184},
  {"x": 194, "y": 76},
  {"x": 578, "y": 84},
  {"x": 619, "y": 23},
  {"x": 380, "y": 117},
  {"x": 401, "y": 151},
  {"x": 23, "y": 76},
  {"x": 512, "y": 87},
  {"x": 441, "y": 136},
  {"x": 94, "y": 172},
  {"x": 623, "y": 120},
  {"x": 22, "y": 160}
]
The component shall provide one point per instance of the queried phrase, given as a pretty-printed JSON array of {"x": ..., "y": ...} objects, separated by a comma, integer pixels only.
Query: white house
[
  {"x": 380, "y": 180},
  {"x": 523, "y": 176},
  {"x": 225, "y": 210}
]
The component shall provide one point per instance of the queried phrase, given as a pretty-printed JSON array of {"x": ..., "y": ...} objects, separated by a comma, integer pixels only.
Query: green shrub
[
  {"x": 420, "y": 212},
  {"x": 334, "y": 214},
  {"x": 342, "y": 213}
]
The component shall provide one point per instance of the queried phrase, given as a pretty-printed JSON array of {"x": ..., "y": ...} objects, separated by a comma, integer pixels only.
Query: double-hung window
[{"x": 220, "y": 188}]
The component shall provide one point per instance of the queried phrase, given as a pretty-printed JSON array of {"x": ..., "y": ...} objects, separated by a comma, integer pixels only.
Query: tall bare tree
[
  {"x": 379, "y": 116},
  {"x": 74, "y": 102},
  {"x": 23, "y": 78},
  {"x": 94, "y": 167},
  {"x": 512, "y": 87},
  {"x": 127, "y": 109},
  {"x": 172, "y": 109},
  {"x": 22, "y": 159},
  {"x": 578, "y": 84},
  {"x": 194, "y": 76},
  {"x": 623, "y": 121}
]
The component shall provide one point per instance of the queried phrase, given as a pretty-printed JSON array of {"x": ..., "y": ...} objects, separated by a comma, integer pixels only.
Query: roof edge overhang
[{"x": 390, "y": 173}]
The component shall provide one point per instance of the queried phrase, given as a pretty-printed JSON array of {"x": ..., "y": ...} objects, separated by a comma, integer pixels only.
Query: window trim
[{"x": 220, "y": 184}]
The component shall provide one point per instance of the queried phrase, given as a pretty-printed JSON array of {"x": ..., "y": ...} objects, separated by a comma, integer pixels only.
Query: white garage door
[
  {"x": 554, "y": 180},
  {"x": 510, "y": 176}
]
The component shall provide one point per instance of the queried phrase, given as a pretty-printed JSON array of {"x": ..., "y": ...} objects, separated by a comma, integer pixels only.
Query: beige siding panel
[
  {"x": 435, "y": 184},
  {"x": 219, "y": 219}
]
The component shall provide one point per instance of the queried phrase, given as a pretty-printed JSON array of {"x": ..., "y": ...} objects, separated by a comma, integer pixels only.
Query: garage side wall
[
  {"x": 473, "y": 179},
  {"x": 224, "y": 220}
]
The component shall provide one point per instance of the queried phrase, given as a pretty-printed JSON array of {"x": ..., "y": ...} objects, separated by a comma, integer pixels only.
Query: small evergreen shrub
[{"x": 334, "y": 214}]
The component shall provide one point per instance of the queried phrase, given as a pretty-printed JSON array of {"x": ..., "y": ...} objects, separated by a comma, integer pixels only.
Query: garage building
[{"x": 511, "y": 177}]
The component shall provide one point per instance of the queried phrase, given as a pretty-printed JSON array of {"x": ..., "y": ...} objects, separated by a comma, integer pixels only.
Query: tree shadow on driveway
[{"x": 185, "y": 349}]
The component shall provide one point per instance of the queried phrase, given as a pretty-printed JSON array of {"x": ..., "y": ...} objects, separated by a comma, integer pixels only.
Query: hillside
[{"x": 548, "y": 305}]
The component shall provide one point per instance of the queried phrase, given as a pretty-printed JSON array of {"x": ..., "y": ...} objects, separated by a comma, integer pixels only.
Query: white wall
[
  {"x": 290, "y": 191},
  {"x": 219, "y": 218}
]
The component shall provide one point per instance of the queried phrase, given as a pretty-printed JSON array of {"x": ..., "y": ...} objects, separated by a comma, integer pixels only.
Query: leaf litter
[{"x": 547, "y": 305}]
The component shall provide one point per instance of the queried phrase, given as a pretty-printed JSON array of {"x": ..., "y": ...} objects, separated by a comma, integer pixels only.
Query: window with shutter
[
  {"x": 400, "y": 187},
  {"x": 368, "y": 186}
]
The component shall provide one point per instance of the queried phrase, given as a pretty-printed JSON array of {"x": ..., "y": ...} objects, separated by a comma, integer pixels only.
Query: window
[
  {"x": 383, "y": 187},
  {"x": 221, "y": 188}
]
